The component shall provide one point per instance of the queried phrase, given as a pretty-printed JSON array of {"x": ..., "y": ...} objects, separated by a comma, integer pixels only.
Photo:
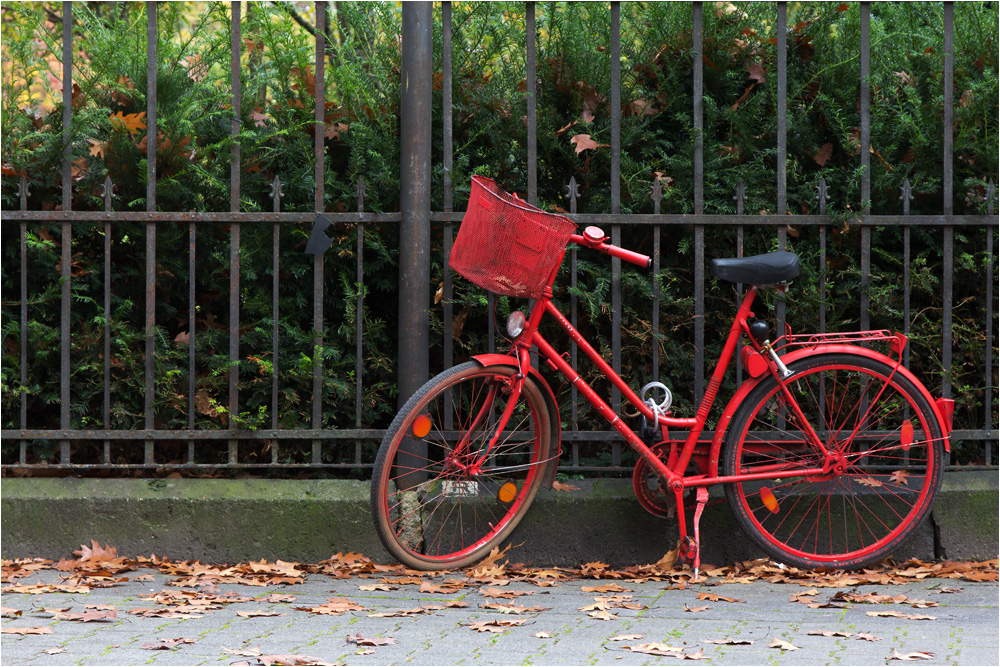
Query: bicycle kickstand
[{"x": 701, "y": 498}]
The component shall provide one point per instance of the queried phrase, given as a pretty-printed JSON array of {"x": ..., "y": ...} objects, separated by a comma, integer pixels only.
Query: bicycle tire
[
  {"x": 430, "y": 513},
  {"x": 892, "y": 457}
]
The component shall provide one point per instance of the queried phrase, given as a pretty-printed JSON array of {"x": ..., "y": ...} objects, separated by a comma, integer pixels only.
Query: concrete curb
[{"x": 223, "y": 521}]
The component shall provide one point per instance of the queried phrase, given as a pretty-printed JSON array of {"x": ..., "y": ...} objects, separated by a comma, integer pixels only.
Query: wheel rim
[
  {"x": 438, "y": 506},
  {"x": 880, "y": 440}
]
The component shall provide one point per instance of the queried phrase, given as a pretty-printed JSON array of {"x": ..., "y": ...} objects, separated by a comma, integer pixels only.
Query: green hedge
[{"x": 361, "y": 129}]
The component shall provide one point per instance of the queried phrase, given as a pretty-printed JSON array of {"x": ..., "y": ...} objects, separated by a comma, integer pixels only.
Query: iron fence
[{"x": 415, "y": 220}]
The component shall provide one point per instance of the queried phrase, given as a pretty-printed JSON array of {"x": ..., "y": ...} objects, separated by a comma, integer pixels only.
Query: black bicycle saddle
[{"x": 766, "y": 269}]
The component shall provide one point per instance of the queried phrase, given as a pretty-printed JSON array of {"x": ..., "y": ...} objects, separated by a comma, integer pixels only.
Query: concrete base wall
[{"x": 224, "y": 521}]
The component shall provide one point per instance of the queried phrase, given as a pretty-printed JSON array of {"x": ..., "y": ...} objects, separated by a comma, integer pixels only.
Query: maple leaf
[
  {"x": 824, "y": 154},
  {"x": 712, "y": 597},
  {"x": 166, "y": 644},
  {"x": 584, "y": 142},
  {"x": 756, "y": 72},
  {"x": 782, "y": 644},
  {"x": 36, "y": 630},
  {"x": 915, "y": 655},
  {"x": 361, "y": 640},
  {"x": 97, "y": 148},
  {"x": 869, "y": 481},
  {"x": 131, "y": 123},
  {"x": 899, "y": 477}
]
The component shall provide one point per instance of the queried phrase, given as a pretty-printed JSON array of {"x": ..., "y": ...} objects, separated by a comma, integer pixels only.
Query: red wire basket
[{"x": 506, "y": 245}]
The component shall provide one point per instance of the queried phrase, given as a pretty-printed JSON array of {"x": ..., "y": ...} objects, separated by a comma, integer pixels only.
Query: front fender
[
  {"x": 727, "y": 414},
  {"x": 555, "y": 425}
]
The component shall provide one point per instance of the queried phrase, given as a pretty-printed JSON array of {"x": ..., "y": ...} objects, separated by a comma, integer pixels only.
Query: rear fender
[
  {"x": 555, "y": 426},
  {"x": 937, "y": 405}
]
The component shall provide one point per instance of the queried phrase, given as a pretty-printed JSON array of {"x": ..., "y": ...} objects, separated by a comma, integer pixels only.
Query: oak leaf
[
  {"x": 585, "y": 142},
  {"x": 824, "y": 154}
]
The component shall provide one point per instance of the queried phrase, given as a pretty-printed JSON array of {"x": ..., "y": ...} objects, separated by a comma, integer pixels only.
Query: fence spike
[
  {"x": 361, "y": 194},
  {"x": 822, "y": 195},
  {"x": 991, "y": 193},
  {"x": 740, "y": 197},
  {"x": 572, "y": 193},
  {"x": 23, "y": 192},
  {"x": 906, "y": 195},
  {"x": 107, "y": 192},
  {"x": 657, "y": 192}
]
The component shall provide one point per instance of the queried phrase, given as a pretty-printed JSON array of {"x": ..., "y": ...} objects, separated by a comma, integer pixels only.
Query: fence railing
[{"x": 415, "y": 220}]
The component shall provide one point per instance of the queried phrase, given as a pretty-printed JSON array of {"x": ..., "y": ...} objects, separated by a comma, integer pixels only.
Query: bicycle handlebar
[{"x": 594, "y": 238}]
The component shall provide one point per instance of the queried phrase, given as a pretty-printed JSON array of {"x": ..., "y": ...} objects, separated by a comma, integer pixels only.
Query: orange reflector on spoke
[
  {"x": 906, "y": 434},
  {"x": 770, "y": 502},
  {"x": 507, "y": 492},
  {"x": 421, "y": 426}
]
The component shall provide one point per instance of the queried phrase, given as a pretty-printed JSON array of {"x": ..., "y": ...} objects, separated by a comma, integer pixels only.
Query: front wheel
[
  {"x": 439, "y": 499},
  {"x": 884, "y": 474}
]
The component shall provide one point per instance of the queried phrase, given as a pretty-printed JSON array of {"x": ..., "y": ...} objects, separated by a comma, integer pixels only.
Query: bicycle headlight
[{"x": 515, "y": 324}]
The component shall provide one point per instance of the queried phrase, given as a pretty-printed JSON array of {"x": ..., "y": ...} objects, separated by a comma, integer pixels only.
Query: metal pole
[{"x": 414, "y": 197}]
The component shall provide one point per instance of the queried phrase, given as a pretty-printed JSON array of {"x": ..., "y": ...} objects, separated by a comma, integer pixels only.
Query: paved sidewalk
[{"x": 429, "y": 632}]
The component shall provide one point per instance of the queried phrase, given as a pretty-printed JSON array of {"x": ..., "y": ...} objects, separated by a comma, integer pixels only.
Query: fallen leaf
[
  {"x": 755, "y": 72},
  {"x": 292, "y": 659},
  {"x": 361, "y": 640},
  {"x": 276, "y": 598},
  {"x": 944, "y": 590},
  {"x": 867, "y": 637},
  {"x": 245, "y": 653},
  {"x": 606, "y": 588},
  {"x": 496, "y": 626},
  {"x": 666, "y": 651},
  {"x": 729, "y": 642},
  {"x": 915, "y": 655},
  {"x": 695, "y": 609},
  {"x": 492, "y": 592},
  {"x": 54, "y": 651},
  {"x": 513, "y": 608},
  {"x": 624, "y": 638},
  {"x": 896, "y": 614},
  {"x": 166, "y": 644},
  {"x": 257, "y": 612},
  {"x": 95, "y": 551},
  {"x": 378, "y": 587},
  {"x": 603, "y": 615},
  {"x": 9, "y": 612},
  {"x": 556, "y": 484},
  {"x": 36, "y": 630},
  {"x": 712, "y": 597},
  {"x": 782, "y": 644},
  {"x": 830, "y": 633},
  {"x": 542, "y": 635},
  {"x": 87, "y": 616},
  {"x": 333, "y": 607},
  {"x": 365, "y": 651}
]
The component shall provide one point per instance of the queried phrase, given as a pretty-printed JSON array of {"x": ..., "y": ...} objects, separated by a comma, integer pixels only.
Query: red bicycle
[{"x": 831, "y": 453}]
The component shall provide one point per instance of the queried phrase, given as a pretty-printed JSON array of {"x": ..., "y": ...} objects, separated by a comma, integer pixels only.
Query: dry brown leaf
[
  {"x": 583, "y": 142},
  {"x": 666, "y": 651},
  {"x": 496, "y": 626},
  {"x": 606, "y": 588},
  {"x": 292, "y": 659},
  {"x": 896, "y": 614},
  {"x": 556, "y": 484},
  {"x": 378, "y": 587},
  {"x": 867, "y": 637},
  {"x": 542, "y": 635},
  {"x": 695, "y": 609},
  {"x": 512, "y": 608},
  {"x": 36, "y": 630},
  {"x": 915, "y": 655},
  {"x": 277, "y": 598},
  {"x": 830, "y": 633},
  {"x": 824, "y": 154},
  {"x": 333, "y": 607},
  {"x": 712, "y": 597},
  {"x": 365, "y": 651},
  {"x": 624, "y": 638},
  {"x": 602, "y": 615},
  {"x": 782, "y": 644},
  {"x": 493, "y": 592},
  {"x": 257, "y": 612},
  {"x": 166, "y": 644},
  {"x": 728, "y": 642},
  {"x": 244, "y": 653},
  {"x": 361, "y": 640},
  {"x": 9, "y": 612},
  {"x": 54, "y": 651}
]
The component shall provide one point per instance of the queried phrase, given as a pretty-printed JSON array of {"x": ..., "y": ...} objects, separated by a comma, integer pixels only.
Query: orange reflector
[
  {"x": 421, "y": 426},
  {"x": 770, "y": 502},
  {"x": 507, "y": 492},
  {"x": 906, "y": 434}
]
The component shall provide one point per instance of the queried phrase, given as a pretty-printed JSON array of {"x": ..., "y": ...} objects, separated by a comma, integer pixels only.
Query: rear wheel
[
  {"x": 881, "y": 482},
  {"x": 439, "y": 501}
]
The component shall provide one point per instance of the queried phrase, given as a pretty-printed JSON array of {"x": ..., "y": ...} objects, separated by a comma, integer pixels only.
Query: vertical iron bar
[
  {"x": 66, "y": 228},
  {"x": 234, "y": 230},
  {"x": 699, "y": 203},
  {"x": 782, "y": 203},
  {"x": 822, "y": 197},
  {"x": 866, "y": 165},
  {"x": 741, "y": 198},
  {"x": 949, "y": 250},
  {"x": 657, "y": 198},
  {"x": 192, "y": 314},
  {"x": 572, "y": 194},
  {"x": 150, "y": 379},
  {"x": 616, "y": 229},
  {"x": 22, "y": 194},
  {"x": 276, "y": 194},
  {"x": 360, "y": 310},
  {"x": 448, "y": 194},
  {"x": 108, "y": 195},
  {"x": 320, "y": 205},
  {"x": 532, "y": 102},
  {"x": 990, "y": 262},
  {"x": 907, "y": 197}
]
